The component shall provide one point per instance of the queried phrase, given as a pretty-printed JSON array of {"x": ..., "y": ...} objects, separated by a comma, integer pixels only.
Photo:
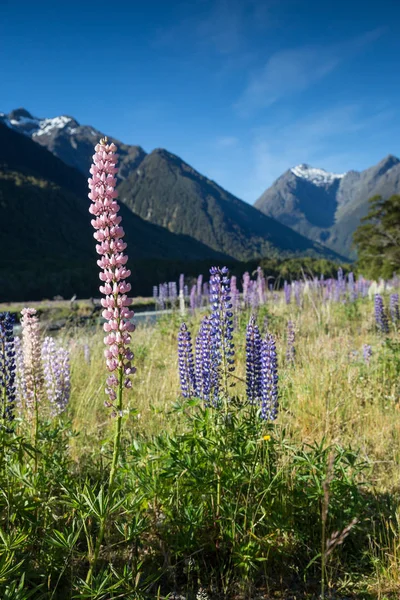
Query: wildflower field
[{"x": 243, "y": 445}]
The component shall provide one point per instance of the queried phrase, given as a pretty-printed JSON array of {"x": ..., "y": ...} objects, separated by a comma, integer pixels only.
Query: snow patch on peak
[
  {"x": 316, "y": 176},
  {"x": 23, "y": 121},
  {"x": 47, "y": 125}
]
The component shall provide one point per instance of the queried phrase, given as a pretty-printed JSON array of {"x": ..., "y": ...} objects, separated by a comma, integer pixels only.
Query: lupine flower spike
[
  {"x": 290, "y": 347},
  {"x": 203, "y": 361},
  {"x": 33, "y": 372},
  {"x": 186, "y": 362},
  {"x": 222, "y": 359},
  {"x": 380, "y": 315},
  {"x": 367, "y": 353},
  {"x": 269, "y": 379},
  {"x": 111, "y": 246},
  {"x": 56, "y": 372},
  {"x": 394, "y": 308},
  {"x": 118, "y": 326},
  {"x": 253, "y": 362},
  {"x": 7, "y": 370}
]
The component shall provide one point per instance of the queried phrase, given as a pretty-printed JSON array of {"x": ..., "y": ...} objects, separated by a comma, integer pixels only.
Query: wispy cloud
[
  {"x": 294, "y": 70},
  {"x": 329, "y": 139},
  {"x": 221, "y": 26},
  {"x": 227, "y": 141}
]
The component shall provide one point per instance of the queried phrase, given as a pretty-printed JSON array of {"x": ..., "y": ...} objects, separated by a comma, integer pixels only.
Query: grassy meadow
[{"x": 207, "y": 503}]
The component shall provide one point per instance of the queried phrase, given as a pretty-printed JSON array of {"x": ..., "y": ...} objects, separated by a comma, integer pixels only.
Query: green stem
[
  {"x": 117, "y": 444},
  {"x": 117, "y": 439},
  {"x": 218, "y": 493},
  {"x": 323, "y": 559},
  {"x": 36, "y": 431}
]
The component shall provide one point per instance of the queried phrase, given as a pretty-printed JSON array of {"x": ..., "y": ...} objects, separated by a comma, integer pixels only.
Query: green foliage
[
  {"x": 205, "y": 500},
  {"x": 378, "y": 239},
  {"x": 223, "y": 501}
]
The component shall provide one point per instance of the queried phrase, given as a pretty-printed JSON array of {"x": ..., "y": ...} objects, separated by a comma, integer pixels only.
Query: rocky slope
[
  {"x": 162, "y": 189},
  {"x": 327, "y": 207}
]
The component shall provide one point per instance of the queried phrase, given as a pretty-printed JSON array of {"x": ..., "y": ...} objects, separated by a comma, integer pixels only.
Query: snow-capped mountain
[
  {"x": 23, "y": 122},
  {"x": 316, "y": 176},
  {"x": 163, "y": 190},
  {"x": 68, "y": 140},
  {"x": 327, "y": 207}
]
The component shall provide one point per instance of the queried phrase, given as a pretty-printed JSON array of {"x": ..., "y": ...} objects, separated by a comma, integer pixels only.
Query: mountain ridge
[
  {"x": 329, "y": 210},
  {"x": 164, "y": 190},
  {"x": 46, "y": 239}
]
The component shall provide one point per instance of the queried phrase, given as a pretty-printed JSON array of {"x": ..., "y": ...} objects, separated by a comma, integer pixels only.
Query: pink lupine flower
[
  {"x": 33, "y": 372},
  {"x": 111, "y": 246}
]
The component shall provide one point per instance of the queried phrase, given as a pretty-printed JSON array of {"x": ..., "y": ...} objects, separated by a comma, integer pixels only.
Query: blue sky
[{"x": 240, "y": 89}]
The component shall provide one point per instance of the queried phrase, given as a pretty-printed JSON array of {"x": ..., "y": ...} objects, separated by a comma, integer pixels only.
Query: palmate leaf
[
  {"x": 12, "y": 541},
  {"x": 61, "y": 540},
  {"x": 101, "y": 504},
  {"x": 7, "y": 568},
  {"x": 100, "y": 588},
  {"x": 17, "y": 590}
]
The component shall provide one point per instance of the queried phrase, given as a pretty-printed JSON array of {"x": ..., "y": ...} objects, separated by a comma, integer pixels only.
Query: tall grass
[{"x": 207, "y": 504}]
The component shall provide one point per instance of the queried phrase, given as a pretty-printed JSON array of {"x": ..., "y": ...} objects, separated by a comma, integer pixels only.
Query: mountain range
[
  {"x": 46, "y": 239},
  {"x": 162, "y": 189},
  {"x": 327, "y": 207},
  {"x": 172, "y": 214}
]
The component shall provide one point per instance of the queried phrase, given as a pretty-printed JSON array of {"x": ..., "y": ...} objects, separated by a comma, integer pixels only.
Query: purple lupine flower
[
  {"x": 253, "y": 362},
  {"x": 351, "y": 287},
  {"x": 394, "y": 308},
  {"x": 362, "y": 286},
  {"x": 162, "y": 295},
  {"x": 234, "y": 291},
  {"x": 193, "y": 298},
  {"x": 260, "y": 285},
  {"x": 288, "y": 291},
  {"x": 290, "y": 343},
  {"x": 186, "y": 291},
  {"x": 245, "y": 286},
  {"x": 336, "y": 291},
  {"x": 380, "y": 315},
  {"x": 367, "y": 353},
  {"x": 199, "y": 289},
  {"x": 340, "y": 286},
  {"x": 253, "y": 295},
  {"x": 297, "y": 292},
  {"x": 269, "y": 379},
  {"x": 7, "y": 369},
  {"x": 222, "y": 348},
  {"x": 181, "y": 282},
  {"x": 56, "y": 370},
  {"x": 186, "y": 362},
  {"x": 172, "y": 290},
  {"x": 203, "y": 361}
]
